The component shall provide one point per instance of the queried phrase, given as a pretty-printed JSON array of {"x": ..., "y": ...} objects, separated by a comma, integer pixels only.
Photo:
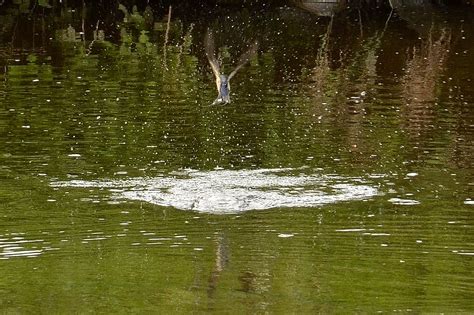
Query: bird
[{"x": 222, "y": 80}]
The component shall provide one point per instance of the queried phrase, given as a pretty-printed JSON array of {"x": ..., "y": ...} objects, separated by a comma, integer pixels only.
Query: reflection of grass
[
  {"x": 322, "y": 69},
  {"x": 340, "y": 84},
  {"x": 423, "y": 72}
]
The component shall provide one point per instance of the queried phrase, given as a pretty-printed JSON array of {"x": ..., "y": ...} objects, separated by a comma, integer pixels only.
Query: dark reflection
[{"x": 248, "y": 280}]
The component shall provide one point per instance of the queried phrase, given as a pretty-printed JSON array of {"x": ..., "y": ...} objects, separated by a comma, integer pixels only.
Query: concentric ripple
[{"x": 227, "y": 191}]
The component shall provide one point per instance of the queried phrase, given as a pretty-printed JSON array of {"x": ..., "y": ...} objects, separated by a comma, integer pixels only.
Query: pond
[{"x": 338, "y": 179}]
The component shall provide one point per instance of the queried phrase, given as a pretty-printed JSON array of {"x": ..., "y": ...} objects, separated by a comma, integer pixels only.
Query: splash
[{"x": 230, "y": 191}]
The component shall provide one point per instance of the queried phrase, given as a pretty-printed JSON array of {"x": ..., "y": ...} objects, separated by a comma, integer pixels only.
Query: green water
[{"x": 339, "y": 179}]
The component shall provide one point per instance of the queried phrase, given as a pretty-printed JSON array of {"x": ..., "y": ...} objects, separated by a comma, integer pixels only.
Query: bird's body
[
  {"x": 222, "y": 81},
  {"x": 223, "y": 90}
]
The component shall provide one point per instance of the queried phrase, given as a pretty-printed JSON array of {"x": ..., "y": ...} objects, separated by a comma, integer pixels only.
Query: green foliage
[
  {"x": 68, "y": 35},
  {"x": 44, "y": 3},
  {"x": 124, "y": 10},
  {"x": 125, "y": 37},
  {"x": 32, "y": 58},
  {"x": 135, "y": 19},
  {"x": 188, "y": 40},
  {"x": 23, "y": 5},
  {"x": 143, "y": 38}
]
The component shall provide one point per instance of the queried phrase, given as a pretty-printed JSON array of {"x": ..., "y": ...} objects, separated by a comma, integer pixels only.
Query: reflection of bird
[
  {"x": 222, "y": 260},
  {"x": 222, "y": 81}
]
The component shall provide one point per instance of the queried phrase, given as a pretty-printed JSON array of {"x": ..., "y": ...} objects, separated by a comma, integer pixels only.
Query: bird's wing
[
  {"x": 218, "y": 83},
  {"x": 209, "y": 46},
  {"x": 244, "y": 58}
]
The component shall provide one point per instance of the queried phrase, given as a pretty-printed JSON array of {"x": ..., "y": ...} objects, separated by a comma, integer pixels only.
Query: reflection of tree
[{"x": 421, "y": 82}]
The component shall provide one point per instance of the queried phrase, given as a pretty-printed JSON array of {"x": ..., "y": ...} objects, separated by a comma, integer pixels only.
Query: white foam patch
[{"x": 230, "y": 191}]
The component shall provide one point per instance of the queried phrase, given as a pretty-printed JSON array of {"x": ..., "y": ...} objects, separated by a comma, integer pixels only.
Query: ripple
[
  {"x": 286, "y": 235},
  {"x": 230, "y": 191},
  {"x": 350, "y": 230},
  {"x": 16, "y": 247},
  {"x": 403, "y": 202}
]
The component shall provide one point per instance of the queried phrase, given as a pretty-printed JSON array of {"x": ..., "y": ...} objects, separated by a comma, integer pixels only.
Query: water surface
[{"x": 339, "y": 179}]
